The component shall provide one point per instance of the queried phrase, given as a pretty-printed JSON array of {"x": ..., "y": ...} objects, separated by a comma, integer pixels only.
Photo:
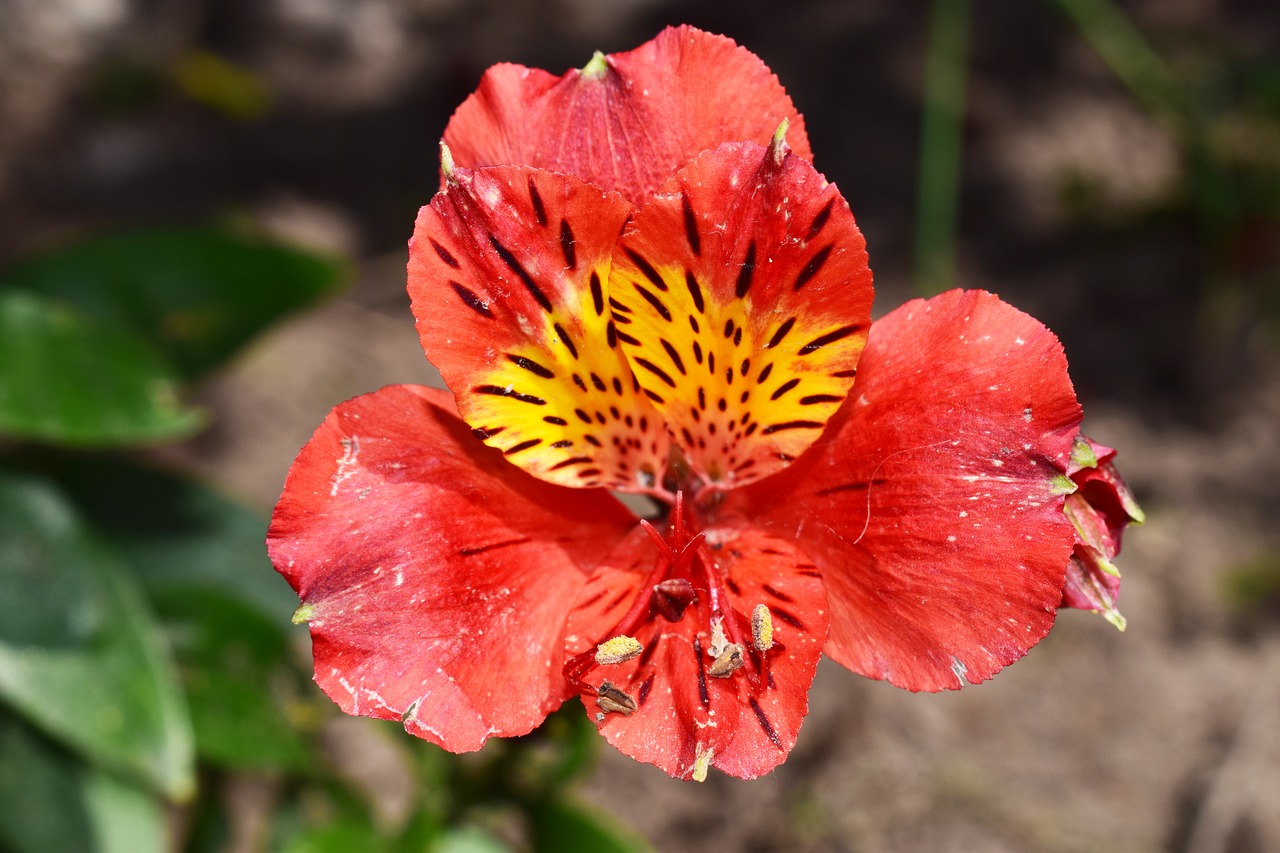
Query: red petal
[
  {"x": 762, "y": 569},
  {"x": 747, "y": 297},
  {"x": 934, "y": 503},
  {"x": 745, "y": 723},
  {"x": 1101, "y": 508},
  {"x": 436, "y": 577},
  {"x": 631, "y": 122},
  {"x": 506, "y": 271},
  {"x": 681, "y": 711}
]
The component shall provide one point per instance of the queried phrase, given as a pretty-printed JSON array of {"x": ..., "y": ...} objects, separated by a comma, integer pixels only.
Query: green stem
[
  {"x": 1129, "y": 56},
  {"x": 941, "y": 148}
]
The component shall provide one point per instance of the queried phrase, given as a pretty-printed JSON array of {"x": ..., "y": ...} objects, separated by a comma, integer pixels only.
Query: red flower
[
  {"x": 1100, "y": 507},
  {"x": 621, "y": 300}
]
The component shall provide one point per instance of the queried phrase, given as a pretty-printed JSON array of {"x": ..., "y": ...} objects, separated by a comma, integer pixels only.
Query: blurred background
[{"x": 204, "y": 206}]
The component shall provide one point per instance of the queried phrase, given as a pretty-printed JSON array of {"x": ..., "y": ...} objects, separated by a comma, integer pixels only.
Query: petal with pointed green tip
[
  {"x": 625, "y": 122},
  {"x": 436, "y": 578}
]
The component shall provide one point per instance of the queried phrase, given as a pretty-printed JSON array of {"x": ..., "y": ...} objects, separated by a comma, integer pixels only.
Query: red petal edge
[
  {"x": 630, "y": 126},
  {"x": 436, "y": 576},
  {"x": 933, "y": 505}
]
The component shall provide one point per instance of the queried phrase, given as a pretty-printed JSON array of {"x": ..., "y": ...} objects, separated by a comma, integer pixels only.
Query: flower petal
[
  {"x": 1100, "y": 509},
  {"x": 933, "y": 505},
  {"x": 746, "y": 297},
  {"x": 690, "y": 714},
  {"x": 628, "y": 121},
  {"x": 506, "y": 272},
  {"x": 435, "y": 577},
  {"x": 760, "y": 569}
]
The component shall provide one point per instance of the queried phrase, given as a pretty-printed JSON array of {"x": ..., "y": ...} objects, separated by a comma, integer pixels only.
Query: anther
[
  {"x": 728, "y": 660},
  {"x": 613, "y": 699},
  {"x": 671, "y": 597},
  {"x": 718, "y": 640},
  {"x": 618, "y": 650},
  {"x": 762, "y": 628}
]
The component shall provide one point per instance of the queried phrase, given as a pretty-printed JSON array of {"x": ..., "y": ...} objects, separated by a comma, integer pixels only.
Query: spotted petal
[
  {"x": 742, "y": 297},
  {"x": 436, "y": 577},
  {"x": 506, "y": 272},
  {"x": 628, "y": 121},
  {"x": 690, "y": 715},
  {"x": 933, "y": 505}
]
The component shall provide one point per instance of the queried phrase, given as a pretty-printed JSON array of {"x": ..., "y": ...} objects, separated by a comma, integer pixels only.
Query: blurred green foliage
[{"x": 147, "y": 664}]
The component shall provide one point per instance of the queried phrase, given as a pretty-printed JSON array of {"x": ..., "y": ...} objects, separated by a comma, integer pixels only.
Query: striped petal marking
[
  {"x": 742, "y": 297},
  {"x": 507, "y": 274}
]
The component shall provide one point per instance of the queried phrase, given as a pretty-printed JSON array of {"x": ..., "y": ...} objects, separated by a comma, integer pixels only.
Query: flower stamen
[
  {"x": 761, "y": 628},
  {"x": 618, "y": 650},
  {"x": 613, "y": 699},
  {"x": 729, "y": 660}
]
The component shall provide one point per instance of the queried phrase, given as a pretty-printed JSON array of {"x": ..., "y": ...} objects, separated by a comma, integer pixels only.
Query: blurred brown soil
[{"x": 1164, "y": 738}]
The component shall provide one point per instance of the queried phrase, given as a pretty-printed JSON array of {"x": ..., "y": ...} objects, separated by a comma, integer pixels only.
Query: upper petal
[
  {"x": 506, "y": 272},
  {"x": 933, "y": 505},
  {"x": 435, "y": 576},
  {"x": 627, "y": 121},
  {"x": 743, "y": 299}
]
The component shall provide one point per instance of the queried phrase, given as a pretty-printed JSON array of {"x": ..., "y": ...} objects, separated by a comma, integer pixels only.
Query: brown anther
[
  {"x": 729, "y": 660},
  {"x": 613, "y": 699},
  {"x": 762, "y": 628},
  {"x": 671, "y": 597}
]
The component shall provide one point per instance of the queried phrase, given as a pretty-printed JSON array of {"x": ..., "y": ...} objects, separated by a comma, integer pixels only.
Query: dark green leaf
[
  {"x": 81, "y": 656},
  {"x": 50, "y": 801},
  {"x": 40, "y": 805},
  {"x": 202, "y": 560},
  {"x": 181, "y": 537},
  {"x": 239, "y": 682},
  {"x": 68, "y": 379},
  {"x": 567, "y": 827},
  {"x": 196, "y": 293}
]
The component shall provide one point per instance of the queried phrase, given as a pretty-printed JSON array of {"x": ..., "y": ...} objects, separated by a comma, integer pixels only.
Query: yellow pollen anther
[
  {"x": 702, "y": 762},
  {"x": 762, "y": 628},
  {"x": 619, "y": 649},
  {"x": 729, "y": 660},
  {"x": 613, "y": 699}
]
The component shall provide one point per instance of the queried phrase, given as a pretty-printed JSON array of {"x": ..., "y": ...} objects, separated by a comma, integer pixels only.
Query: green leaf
[
  {"x": 202, "y": 561},
  {"x": 50, "y": 801},
  {"x": 473, "y": 839},
  {"x": 69, "y": 379},
  {"x": 198, "y": 294},
  {"x": 239, "y": 682},
  {"x": 40, "y": 807},
  {"x": 125, "y": 818},
  {"x": 81, "y": 656},
  {"x": 181, "y": 537},
  {"x": 567, "y": 827}
]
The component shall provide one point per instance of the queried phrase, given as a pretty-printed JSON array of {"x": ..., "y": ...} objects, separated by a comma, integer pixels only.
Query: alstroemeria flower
[
  {"x": 1100, "y": 508},
  {"x": 630, "y": 283}
]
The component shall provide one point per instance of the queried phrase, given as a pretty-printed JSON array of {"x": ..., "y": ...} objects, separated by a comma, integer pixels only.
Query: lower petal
[
  {"x": 933, "y": 504},
  {"x": 435, "y": 575},
  {"x": 720, "y": 680}
]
